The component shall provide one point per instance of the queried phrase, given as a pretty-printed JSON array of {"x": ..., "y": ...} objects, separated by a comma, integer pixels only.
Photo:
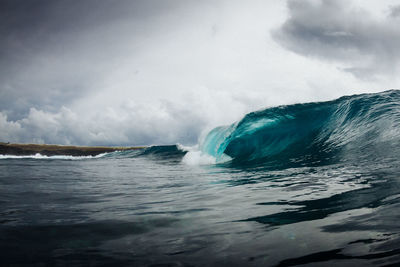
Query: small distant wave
[
  {"x": 189, "y": 155},
  {"x": 167, "y": 150},
  {"x": 59, "y": 157},
  {"x": 166, "y": 153}
]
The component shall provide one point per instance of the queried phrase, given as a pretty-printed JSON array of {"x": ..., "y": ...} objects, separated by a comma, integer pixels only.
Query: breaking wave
[{"x": 360, "y": 127}]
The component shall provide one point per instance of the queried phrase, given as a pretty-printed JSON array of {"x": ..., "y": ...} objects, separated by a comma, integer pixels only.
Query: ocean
[{"x": 314, "y": 184}]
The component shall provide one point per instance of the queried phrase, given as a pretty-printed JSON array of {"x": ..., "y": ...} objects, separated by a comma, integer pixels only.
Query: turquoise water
[{"x": 312, "y": 184}]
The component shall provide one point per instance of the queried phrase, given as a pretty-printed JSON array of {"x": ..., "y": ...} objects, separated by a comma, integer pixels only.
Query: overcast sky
[{"x": 104, "y": 72}]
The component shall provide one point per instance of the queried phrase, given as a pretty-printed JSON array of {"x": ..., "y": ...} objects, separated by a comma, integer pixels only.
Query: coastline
[{"x": 54, "y": 150}]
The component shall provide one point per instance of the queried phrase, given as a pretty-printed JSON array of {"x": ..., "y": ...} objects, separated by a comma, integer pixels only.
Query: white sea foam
[
  {"x": 40, "y": 156},
  {"x": 186, "y": 148},
  {"x": 198, "y": 158},
  {"x": 195, "y": 156}
]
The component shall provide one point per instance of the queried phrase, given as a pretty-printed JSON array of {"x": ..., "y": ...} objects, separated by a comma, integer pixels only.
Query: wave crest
[{"x": 351, "y": 126}]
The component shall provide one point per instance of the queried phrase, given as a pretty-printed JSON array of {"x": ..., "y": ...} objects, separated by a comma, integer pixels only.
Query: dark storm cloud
[
  {"x": 52, "y": 51},
  {"x": 332, "y": 30}
]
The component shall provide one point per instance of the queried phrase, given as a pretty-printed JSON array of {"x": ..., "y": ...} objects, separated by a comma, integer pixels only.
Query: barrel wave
[{"x": 352, "y": 127}]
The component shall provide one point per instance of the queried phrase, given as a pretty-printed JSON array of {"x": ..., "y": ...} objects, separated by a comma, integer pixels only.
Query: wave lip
[{"x": 351, "y": 126}]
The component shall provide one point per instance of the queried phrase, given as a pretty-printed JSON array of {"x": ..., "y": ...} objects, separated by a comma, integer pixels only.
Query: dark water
[{"x": 314, "y": 185}]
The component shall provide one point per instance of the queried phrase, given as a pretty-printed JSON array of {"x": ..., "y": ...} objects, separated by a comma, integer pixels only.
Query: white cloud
[{"x": 9, "y": 130}]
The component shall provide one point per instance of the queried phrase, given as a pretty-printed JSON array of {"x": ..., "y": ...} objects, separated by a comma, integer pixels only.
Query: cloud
[
  {"x": 130, "y": 122},
  {"x": 336, "y": 31},
  {"x": 395, "y": 11},
  {"x": 9, "y": 130},
  {"x": 54, "y": 52},
  {"x": 111, "y": 127}
]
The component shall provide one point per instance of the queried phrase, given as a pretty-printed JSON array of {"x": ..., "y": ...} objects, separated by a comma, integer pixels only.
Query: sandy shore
[{"x": 52, "y": 150}]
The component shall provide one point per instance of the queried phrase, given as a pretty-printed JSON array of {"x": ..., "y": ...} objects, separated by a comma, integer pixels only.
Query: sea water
[{"x": 312, "y": 184}]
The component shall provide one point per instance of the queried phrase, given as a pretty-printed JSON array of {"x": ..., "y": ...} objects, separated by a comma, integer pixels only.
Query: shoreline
[{"x": 56, "y": 150}]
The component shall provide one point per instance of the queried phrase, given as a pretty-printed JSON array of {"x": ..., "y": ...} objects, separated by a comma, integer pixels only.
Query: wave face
[
  {"x": 170, "y": 153},
  {"x": 359, "y": 126}
]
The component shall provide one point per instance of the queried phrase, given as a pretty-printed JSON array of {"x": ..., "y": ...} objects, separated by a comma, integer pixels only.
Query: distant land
[{"x": 53, "y": 150}]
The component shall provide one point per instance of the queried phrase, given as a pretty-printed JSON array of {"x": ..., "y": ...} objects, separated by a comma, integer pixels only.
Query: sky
[{"x": 142, "y": 72}]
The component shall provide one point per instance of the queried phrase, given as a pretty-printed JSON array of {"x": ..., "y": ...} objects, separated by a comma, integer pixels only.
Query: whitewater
[{"x": 313, "y": 184}]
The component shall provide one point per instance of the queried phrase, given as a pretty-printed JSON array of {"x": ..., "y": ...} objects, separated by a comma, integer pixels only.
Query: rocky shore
[{"x": 53, "y": 150}]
